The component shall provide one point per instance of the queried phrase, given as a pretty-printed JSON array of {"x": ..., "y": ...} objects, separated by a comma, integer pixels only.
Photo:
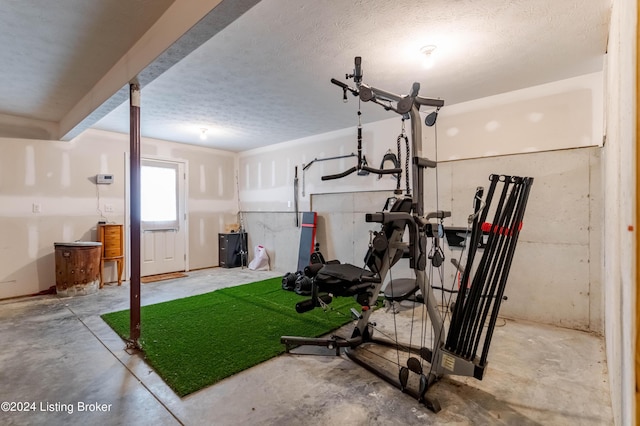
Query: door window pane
[{"x": 159, "y": 193}]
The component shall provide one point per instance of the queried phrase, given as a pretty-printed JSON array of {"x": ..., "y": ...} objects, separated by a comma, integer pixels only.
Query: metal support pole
[
  {"x": 134, "y": 166},
  {"x": 416, "y": 172}
]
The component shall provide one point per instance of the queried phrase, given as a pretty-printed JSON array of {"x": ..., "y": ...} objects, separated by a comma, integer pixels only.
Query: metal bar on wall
[{"x": 134, "y": 194}]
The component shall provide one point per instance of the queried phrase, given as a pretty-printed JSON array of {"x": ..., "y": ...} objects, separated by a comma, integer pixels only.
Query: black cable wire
[
  {"x": 436, "y": 339},
  {"x": 395, "y": 325}
]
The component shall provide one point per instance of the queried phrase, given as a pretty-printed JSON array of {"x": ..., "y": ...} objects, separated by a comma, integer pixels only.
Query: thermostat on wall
[{"x": 104, "y": 179}]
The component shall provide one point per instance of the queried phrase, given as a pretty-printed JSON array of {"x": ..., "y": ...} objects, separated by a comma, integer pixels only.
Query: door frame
[
  {"x": 127, "y": 206},
  {"x": 637, "y": 220}
]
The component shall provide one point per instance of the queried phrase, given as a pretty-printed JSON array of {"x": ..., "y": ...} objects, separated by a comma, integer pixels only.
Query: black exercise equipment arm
[
  {"x": 340, "y": 175},
  {"x": 403, "y": 103}
]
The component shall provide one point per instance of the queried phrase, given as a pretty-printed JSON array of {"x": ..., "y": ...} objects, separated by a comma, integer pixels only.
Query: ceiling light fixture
[
  {"x": 427, "y": 55},
  {"x": 203, "y": 133}
]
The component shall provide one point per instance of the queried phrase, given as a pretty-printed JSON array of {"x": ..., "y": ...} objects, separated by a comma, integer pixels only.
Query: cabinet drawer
[
  {"x": 112, "y": 252},
  {"x": 112, "y": 240},
  {"x": 112, "y": 231}
]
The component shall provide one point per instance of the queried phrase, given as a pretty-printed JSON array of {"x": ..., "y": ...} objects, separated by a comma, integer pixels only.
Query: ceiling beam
[
  {"x": 12, "y": 126},
  {"x": 185, "y": 26}
]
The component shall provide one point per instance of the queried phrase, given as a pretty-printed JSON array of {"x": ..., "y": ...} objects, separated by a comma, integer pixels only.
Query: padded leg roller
[{"x": 308, "y": 305}]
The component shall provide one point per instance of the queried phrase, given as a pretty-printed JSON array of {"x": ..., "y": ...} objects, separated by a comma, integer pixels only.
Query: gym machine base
[{"x": 454, "y": 352}]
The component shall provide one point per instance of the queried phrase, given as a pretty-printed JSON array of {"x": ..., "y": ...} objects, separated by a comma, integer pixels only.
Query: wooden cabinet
[
  {"x": 232, "y": 249},
  {"x": 112, "y": 238}
]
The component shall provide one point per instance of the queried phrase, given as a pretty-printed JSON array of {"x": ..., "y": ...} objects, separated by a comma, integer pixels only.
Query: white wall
[
  {"x": 59, "y": 177},
  {"x": 620, "y": 204},
  {"x": 559, "y": 115}
]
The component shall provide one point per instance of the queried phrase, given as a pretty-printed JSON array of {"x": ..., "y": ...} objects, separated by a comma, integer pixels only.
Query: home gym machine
[{"x": 454, "y": 351}]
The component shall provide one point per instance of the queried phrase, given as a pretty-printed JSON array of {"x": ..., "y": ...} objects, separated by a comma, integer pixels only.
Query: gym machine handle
[
  {"x": 367, "y": 168},
  {"x": 344, "y": 88},
  {"x": 440, "y": 214},
  {"x": 339, "y": 83},
  {"x": 382, "y": 171}
]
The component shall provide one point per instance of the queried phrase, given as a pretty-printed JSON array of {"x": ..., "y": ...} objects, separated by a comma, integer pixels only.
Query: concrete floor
[{"x": 59, "y": 356}]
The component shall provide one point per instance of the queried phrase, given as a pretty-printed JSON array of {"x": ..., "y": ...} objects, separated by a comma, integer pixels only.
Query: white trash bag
[{"x": 260, "y": 260}]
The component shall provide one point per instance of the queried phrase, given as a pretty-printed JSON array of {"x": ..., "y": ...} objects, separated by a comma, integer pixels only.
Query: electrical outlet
[
  {"x": 36, "y": 207},
  {"x": 108, "y": 208}
]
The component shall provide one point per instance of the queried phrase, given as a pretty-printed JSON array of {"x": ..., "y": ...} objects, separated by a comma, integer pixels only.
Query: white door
[{"x": 163, "y": 241}]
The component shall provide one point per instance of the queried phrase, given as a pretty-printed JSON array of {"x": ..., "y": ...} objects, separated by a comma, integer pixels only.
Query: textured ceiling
[
  {"x": 264, "y": 78},
  {"x": 53, "y": 54}
]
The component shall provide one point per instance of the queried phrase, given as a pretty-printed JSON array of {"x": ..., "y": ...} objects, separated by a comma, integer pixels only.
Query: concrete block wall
[
  {"x": 555, "y": 277},
  {"x": 278, "y": 234}
]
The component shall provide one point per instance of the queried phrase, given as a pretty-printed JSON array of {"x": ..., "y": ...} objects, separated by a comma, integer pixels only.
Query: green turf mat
[{"x": 199, "y": 340}]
